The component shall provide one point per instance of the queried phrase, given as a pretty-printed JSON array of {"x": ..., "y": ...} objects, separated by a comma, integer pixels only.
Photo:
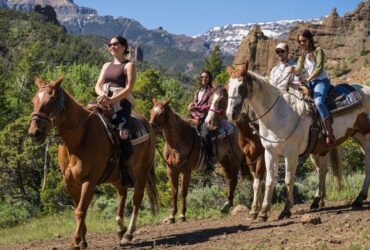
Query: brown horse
[
  {"x": 185, "y": 151},
  {"x": 85, "y": 154},
  {"x": 249, "y": 142}
]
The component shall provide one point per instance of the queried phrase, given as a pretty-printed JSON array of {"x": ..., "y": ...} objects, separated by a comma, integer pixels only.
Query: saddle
[
  {"x": 225, "y": 129},
  {"x": 138, "y": 132},
  {"x": 341, "y": 99}
]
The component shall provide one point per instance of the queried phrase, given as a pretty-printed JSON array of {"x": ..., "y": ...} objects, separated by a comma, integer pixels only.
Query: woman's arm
[{"x": 99, "y": 84}]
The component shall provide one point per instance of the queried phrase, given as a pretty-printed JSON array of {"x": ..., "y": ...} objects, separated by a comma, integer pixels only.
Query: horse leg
[
  {"x": 184, "y": 192},
  {"x": 231, "y": 174},
  {"x": 364, "y": 141},
  {"x": 121, "y": 228},
  {"x": 173, "y": 176},
  {"x": 271, "y": 173},
  {"x": 137, "y": 199},
  {"x": 87, "y": 192},
  {"x": 75, "y": 193},
  {"x": 321, "y": 165},
  {"x": 291, "y": 162},
  {"x": 256, "y": 204}
]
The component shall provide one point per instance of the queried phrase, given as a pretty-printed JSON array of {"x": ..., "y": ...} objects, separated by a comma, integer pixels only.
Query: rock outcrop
[{"x": 345, "y": 41}]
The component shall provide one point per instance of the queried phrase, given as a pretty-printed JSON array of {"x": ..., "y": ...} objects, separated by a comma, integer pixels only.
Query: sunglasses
[
  {"x": 302, "y": 41},
  {"x": 280, "y": 51},
  {"x": 202, "y": 77},
  {"x": 115, "y": 44}
]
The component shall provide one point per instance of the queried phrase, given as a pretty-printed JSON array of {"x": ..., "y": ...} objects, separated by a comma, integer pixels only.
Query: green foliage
[
  {"x": 222, "y": 78},
  {"x": 54, "y": 197},
  {"x": 12, "y": 214},
  {"x": 21, "y": 163},
  {"x": 31, "y": 47},
  {"x": 341, "y": 69},
  {"x": 213, "y": 63},
  {"x": 79, "y": 80},
  {"x": 351, "y": 157}
]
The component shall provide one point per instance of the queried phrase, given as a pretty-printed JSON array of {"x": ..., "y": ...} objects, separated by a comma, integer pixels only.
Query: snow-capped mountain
[{"x": 230, "y": 36}]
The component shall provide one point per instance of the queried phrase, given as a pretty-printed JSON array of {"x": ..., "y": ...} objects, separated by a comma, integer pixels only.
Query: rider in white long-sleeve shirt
[{"x": 280, "y": 75}]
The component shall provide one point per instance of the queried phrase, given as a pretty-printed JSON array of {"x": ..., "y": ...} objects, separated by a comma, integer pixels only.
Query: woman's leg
[{"x": 321, "y": 89}]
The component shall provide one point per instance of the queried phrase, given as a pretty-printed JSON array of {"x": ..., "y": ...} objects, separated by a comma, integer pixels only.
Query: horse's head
[
  {"x": 238, "y": 90},
  {"x": 218, "y": 104},
  {"x": 48, "y": 102},
  {"x": 159, "y": 114}
]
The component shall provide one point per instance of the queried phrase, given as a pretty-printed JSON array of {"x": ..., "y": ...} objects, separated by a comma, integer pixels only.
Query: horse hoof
[
  {"x": 120, "y": 233},
  {"x": 182, "y": 218},
  {"x": 262, "y": 218},
  {"x": 83, "y": 245},
  {"x": 225, "y": 209},
  {"x": 251, "y": 217},
  {"x": 357, "y": 205},
  {"x": 314, "y": 206},
  {"x": 169, "y": 220},
  {"x": 126, "y": 239},
  {"x": 284, "y": 215}
]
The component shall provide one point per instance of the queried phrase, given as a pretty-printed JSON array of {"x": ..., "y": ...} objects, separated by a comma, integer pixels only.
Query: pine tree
[{"x": 213, "y": 63}]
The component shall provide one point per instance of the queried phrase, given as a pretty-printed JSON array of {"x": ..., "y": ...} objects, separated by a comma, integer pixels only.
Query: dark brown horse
[
  {"x": 249, "y": 142},
  {"x": 185, "y": 152},
  {"x": 85, "y": 154}
]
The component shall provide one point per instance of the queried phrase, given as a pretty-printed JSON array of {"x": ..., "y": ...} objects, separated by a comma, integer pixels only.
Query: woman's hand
[
  {"x": 191, "y": 106},
  {"x": 106, "y": 100}
]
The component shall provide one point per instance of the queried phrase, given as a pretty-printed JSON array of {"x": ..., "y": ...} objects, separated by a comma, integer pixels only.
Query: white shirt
[
  {"x": 310, "y": 66},
  {"x": 280, "y": 77},
  {"x": 201, "y": 94}
]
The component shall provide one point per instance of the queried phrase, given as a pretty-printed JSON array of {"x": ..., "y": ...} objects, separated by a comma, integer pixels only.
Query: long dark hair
[
  {"x": 210, "y": 77},
  {"x": 123, "y": 42},
  {"x": 308, "y": 35}
]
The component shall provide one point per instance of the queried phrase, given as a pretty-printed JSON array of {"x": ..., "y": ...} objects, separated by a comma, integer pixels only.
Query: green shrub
[{"x": 12, "y": 214}]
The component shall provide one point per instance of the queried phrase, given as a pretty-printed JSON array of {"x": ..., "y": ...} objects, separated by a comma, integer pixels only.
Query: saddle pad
[
  {"x": 342, "y": 97},
  {"x": 225, "y": 129},
  {"x": 139, "y": 132}
]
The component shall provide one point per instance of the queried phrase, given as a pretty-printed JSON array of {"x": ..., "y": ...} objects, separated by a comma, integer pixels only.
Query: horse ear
[
  {"x": 168, "y": 101},
  {"x": 38, "y": 81},
  {"x": 229, "y": 70},
  {"x": 57, "y": 82}
]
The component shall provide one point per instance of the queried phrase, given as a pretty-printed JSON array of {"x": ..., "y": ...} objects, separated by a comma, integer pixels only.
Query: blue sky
[{"x": 193, "y": 17}]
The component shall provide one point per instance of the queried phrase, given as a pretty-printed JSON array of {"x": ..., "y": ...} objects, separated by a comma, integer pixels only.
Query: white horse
[{"x": 284, "y": 125}]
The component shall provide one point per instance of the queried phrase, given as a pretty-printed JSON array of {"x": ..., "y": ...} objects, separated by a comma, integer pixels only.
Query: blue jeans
[{"x": 320, "y": 90}]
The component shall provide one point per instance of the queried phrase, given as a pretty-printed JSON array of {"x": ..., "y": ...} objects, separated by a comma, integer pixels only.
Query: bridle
[{"x": 42, "y": 117}]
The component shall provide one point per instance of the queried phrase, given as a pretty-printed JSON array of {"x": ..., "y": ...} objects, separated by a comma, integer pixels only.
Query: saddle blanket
[
  {"x": 225, "y": 129},
  {"x": 138, "y": 132},
  {"x": 342, "y": 97}
]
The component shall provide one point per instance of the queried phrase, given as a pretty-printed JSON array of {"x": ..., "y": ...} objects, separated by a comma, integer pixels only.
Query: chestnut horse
[
  {"x": 253, "y": 150},
  {"x": 284, "y": 125},
  {"x": 249, "y": 142},
  {"x": 184, "y": 152},
  {"x": 85, "y": 153}
]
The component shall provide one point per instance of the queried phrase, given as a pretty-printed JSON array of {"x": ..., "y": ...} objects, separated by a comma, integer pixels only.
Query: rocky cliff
[{"x": 345, "y": 41}]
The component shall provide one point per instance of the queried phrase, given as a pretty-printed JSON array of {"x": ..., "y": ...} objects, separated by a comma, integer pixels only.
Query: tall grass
[{"x": 203, "y": 202}]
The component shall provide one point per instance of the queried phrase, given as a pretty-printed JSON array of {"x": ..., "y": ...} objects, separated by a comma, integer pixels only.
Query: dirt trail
[{"x": 341, "y": 228}]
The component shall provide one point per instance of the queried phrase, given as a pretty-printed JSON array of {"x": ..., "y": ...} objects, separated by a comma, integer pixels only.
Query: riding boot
[
  {"x": 330, "y": 139},
  {"x": 127, "y": 175}
]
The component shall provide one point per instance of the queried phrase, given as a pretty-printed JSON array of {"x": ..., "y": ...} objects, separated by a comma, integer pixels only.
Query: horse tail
[
  {"x": 337, "y": 167},
  {"x": 152, "y": 191}
]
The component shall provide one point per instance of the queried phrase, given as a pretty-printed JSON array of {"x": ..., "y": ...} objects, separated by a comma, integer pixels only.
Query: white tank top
[{"x": 310, "y": 65}]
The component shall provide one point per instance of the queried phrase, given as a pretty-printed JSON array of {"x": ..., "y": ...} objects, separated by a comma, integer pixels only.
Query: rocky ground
[{"x": 338, "y": 227}]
